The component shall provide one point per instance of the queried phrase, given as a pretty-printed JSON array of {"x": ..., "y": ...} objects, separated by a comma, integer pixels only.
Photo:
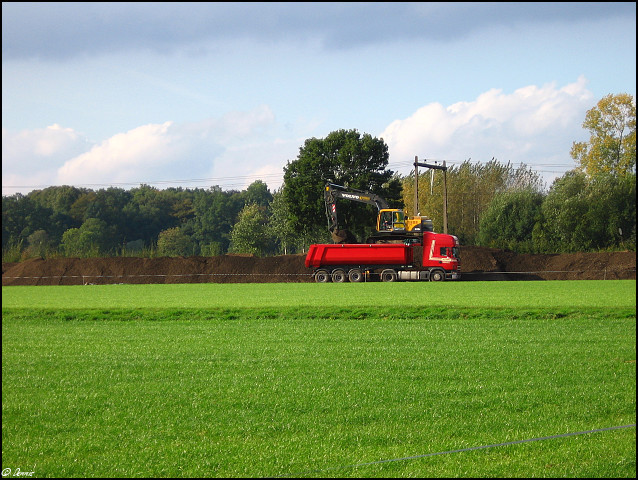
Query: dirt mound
[
  {"x": 477, "y": 263},
  {"x": 220, "y": 269},
  {"x": 480, "y": 263}
]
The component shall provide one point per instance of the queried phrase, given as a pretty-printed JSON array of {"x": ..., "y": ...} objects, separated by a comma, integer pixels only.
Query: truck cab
[{"x": 441, "y": 251}]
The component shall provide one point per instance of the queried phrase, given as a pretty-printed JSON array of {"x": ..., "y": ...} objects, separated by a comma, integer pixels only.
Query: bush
[
  {"x": 174, "y": 243},
  {"x": 90, "y": 240},
  {"x": 509, "y": 221},
  {"x": 213, "y": 249}
]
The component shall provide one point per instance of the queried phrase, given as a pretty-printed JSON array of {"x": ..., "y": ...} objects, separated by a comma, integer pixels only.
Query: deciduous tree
[
  {"x": 174, "y": 243},
  {"x": 612, "y": 143},
  {"x": 92, "y": 239},
  {"x": 279, "y": 226},
  {"x": 509, "y": 220},
  {"x": 249, "y": 234},
  {"x": 586, "y": 214},
  {"x": 344, "y": 157},
  {"x": 215, "y": 214}
]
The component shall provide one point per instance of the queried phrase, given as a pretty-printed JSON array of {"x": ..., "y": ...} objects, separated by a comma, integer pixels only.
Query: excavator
[{"x": 392, "y": 223}]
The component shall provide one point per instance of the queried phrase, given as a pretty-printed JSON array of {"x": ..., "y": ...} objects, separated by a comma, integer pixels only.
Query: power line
[
  {"x": 240, "y": 180},
  {"x": 457, "y": 162}
]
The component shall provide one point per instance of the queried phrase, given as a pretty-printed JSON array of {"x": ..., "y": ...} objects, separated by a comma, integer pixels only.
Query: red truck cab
[{"x": 441, "y": 250}]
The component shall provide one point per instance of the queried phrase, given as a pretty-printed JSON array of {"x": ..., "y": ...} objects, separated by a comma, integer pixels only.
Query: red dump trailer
[{"x": 435, "y": 257}]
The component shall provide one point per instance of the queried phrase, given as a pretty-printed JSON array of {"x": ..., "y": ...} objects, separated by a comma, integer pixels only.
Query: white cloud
[
  {"x": 533, "y": 125},
  {"x": 144, "y": 148},
  {"x": 31, "y": 157},
  {"x": 235, "y": 144},
  {"x": 40, "y": 145},
  {"x": 164, "y": 152}
]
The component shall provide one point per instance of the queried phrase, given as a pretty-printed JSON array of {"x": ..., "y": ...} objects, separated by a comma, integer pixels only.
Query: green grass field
[
  {"x": 532, "y": 294},
  {"x": 307, "y": 380}
]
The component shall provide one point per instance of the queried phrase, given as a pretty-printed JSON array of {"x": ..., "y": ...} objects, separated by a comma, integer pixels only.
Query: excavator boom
[
  {"x": 333, "y": 192},
  {"x": 391, "y": 222}
]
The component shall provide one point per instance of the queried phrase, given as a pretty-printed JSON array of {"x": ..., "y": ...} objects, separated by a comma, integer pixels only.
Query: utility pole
[
  {"x": 416, "y": 186},
  {"x": 418, "y": 164}
]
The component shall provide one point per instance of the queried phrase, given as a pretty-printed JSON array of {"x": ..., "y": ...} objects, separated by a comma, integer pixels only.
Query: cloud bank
[
  {"x": 532, "y": 125},
  {"x": 146, "y": 154}
]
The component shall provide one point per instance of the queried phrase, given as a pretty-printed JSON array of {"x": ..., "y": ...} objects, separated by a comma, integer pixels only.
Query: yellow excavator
[{"x": 392, "y": 224}]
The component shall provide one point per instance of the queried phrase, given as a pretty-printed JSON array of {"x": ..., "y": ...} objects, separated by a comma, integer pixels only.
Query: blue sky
[{"x": 201, "y": 94}]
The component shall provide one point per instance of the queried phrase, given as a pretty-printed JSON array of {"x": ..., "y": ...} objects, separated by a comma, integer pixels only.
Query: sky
[{"x": 200, "y": 94}]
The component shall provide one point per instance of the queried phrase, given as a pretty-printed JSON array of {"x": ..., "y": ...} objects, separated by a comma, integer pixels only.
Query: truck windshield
[{"x": 450, "y": 252}]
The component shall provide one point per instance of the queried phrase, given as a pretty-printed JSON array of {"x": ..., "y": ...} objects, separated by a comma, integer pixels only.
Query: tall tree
[
  {"x": 215, "y": 214},
  {"x": 257, "y": 193},
  {"x": 21, "y": 216},
  {"x": 148, "y": 213},
  {"x": 582, "y": 214},
  {"x": 39, "y": 244},
  {"x": 59, "y": 199},
  {"x": 509, "y": 220},
  {"x": 612, "y": 143},
  {"x": 92, "y": 239},
  {"x": 279, "y": 224},
  {"x": 344, "y": 157},
  {"x": 249, "y": 234},
  {"x": 174, "y": 243}
]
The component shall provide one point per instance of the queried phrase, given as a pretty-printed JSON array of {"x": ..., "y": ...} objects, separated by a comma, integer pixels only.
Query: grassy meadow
[{"x": 308, "y": 380}]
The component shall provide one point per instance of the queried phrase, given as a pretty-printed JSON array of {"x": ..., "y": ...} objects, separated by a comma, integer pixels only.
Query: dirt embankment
[
  {"x": 480, "y": 263},
  {"x": 477, "y": 263}
]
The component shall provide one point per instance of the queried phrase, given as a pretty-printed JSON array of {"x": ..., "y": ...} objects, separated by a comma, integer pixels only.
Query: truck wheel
[
  {"x": 437, "y": 276},
  {"x": 388, "y": 275},
  {"x": 322, "y": 276},
  {"x": 338, "y": 276},
  {"x": 355, "y": 275}
]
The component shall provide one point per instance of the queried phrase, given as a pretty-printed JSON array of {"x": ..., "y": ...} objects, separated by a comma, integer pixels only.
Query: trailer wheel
[
  {"x": 355, "y": 275},
  {"x": 437, "y": 276},
  {"x": 339, "y": 276},
  {"x": 322, "y": 276},
  {"x": 388, "y": 275}
]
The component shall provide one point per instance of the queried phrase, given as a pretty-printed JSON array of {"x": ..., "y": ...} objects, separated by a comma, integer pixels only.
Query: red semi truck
[{"x": 435, "y": 257}]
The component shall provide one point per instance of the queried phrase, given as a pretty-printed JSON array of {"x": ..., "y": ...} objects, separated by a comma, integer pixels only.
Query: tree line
[
  {"x": 493, "y": 204},
  {"x": 72, "y": 221}
]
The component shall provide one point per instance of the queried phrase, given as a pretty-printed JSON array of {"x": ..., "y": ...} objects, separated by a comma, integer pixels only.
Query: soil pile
[
  {"x": 480, "y": 263},
  {"x": 477, "y": 263},
  {"x": 220, "y": 269}
]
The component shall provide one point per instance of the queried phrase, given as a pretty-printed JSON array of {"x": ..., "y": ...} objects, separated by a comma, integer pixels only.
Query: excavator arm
[
  {"x": 333, "y": 192},
  {"x": 388, "y": 220}
]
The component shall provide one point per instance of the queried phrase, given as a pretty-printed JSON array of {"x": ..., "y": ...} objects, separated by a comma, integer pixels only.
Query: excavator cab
[{"x": 391, "y": 220}]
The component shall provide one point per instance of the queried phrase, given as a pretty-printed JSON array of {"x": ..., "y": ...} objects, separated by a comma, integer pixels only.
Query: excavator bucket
[{"x": 343, "y": 236}]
